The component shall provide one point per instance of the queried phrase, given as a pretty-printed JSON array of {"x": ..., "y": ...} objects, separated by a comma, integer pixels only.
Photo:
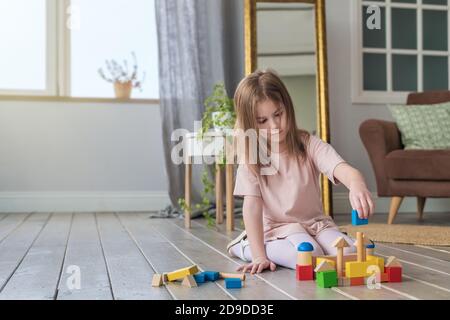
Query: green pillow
[{"x": 423, "y": 126}]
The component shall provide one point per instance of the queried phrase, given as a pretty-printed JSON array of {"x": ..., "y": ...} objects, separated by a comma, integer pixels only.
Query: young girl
[{"x": 284, "y": 209}]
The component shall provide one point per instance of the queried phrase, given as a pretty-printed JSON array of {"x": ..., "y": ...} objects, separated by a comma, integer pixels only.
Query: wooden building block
[
  {"x": 225, "y": 275},
  {"x": 357, "y": 281},
  {"x": 394, "y": 274},
  {"x": 327, "y": 279},
  {"x": 324, "y": 266},
  {"x": 181, "y": 273},
  {"x": 304, "y": 258},
  {"x": 157, "y": 280},
  {"x": 304, "y": 273},
  {"x": 346, "y": 258},
  {"x": 379, "y": 261},
  {"x": 356, "y": 221},
  {"x": 211, "y": 275},
  {"x": 200, "y": 277},
  {"x": 321, "y": 259},
  {"x": 189, "y": 281},
  {"x": 355, "y": 269},
  {"x": 393, "y": 262},
  {"x": 233, "y": 283}
]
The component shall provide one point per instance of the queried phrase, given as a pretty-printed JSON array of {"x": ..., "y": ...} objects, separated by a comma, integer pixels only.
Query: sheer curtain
[{"x": 200, "y": 44}]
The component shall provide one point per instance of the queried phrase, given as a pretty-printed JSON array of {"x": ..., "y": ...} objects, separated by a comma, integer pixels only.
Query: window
[
  {"x": 408, "y": 53},
  {"x": 56, "y": 47}
]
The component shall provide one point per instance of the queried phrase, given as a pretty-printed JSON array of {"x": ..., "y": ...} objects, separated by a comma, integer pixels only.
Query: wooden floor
[{"x": 117, "y": 254}]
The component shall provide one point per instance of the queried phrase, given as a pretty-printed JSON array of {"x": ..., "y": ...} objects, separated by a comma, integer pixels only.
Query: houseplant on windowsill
[
  {"x": 119, "y": 76},
  {"x": 220, "y": 116}
]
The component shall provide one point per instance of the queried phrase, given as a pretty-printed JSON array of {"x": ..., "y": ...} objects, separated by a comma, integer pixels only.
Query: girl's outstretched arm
[
  {"x": 252, "y": 213},
  {"x": 360, "y": 197}
]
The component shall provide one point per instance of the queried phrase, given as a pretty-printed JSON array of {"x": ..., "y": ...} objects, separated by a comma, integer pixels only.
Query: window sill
[{"x": 77, "y": 99}]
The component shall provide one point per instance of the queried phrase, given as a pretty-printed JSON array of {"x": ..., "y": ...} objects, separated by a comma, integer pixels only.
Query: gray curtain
[{"x": 200, "y": 44}]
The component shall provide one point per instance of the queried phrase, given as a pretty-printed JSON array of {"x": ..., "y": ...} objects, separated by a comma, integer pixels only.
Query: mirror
[{"x": 289, "y": 37}]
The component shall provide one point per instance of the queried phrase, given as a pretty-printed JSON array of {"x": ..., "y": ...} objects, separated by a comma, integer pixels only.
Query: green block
[{"x": 327, "y": 279}]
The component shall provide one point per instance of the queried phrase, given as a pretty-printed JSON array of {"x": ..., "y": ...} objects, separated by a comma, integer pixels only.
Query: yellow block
[
  {"x": 181, "y": 273},
  {"x": 354, "y": 269},
  {"x": 304, "y": 258},
  {"x": 319, "y": 260},
  {"x": 379, "y": 261}
]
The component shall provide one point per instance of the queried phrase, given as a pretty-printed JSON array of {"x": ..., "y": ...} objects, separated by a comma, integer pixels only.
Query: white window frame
[
  {"x": 383, "y": 97},
  {"x": 58, "y": 62},
  {"x": 51, "y": 61}
]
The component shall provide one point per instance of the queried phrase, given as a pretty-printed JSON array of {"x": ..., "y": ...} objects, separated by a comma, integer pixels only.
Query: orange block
[{"x": 357, "y": 281}]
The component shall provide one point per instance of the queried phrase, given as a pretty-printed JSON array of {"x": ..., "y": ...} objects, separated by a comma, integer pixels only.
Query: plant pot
[
  {"x": 123, "y": 89},
  {"x": 219, "y": 118}
]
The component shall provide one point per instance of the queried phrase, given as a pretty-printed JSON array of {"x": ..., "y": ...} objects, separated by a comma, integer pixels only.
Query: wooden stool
[{"x": 194, "y": 149}]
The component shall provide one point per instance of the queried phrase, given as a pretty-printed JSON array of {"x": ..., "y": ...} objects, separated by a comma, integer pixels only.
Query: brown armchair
[{"x": 406, "y": 173}]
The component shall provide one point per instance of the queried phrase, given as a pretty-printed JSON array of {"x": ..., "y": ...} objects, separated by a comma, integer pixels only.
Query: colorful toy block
[
  {"x": 319, "y": 260},
  {"x": 379, "y": 261},
  {"x": 200, "y": 277},
  {"x": 304, "y": 258},
  {"x": 324, "y": 266},
  {"x": 233, "y": 283},
  {"x": 393, "y": 262},
  {"x": 327, "y": 279},
  {"x": 357, "y": 281},
  {"x": 356, "y": 221},
  {"x": 304, "y": 273},
  {"x": 181, "y": 273},
  {"x": 157, "y": 280},
  {"x": 225, "y": 275},
  {"x": 189, "y": 281},
  {"x": 211, "y": 275},
  {"x": 355, "y": 269},
  {"x": 394, "y": 274}
]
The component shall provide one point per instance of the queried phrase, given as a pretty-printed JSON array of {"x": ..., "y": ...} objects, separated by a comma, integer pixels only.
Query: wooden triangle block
[
  {"x": 189, "y": 281},
  {"x": 340, "y": 243},
  {"x": 324, "y": 266},
  {"x": 157, "y": 280},
  {"x": 393, "y": 262}
]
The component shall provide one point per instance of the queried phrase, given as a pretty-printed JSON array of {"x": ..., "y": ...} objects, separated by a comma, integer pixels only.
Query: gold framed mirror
[{"x": 289, "y": 36}]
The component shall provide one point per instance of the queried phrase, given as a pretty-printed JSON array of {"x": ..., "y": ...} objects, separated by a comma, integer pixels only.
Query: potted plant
[{"x": 120, "y": 77}]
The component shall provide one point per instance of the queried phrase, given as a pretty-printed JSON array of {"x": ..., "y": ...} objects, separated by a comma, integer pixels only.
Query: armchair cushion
[
  {"x": 423, "y": 126},
  {"x": 418, "y": 165}
]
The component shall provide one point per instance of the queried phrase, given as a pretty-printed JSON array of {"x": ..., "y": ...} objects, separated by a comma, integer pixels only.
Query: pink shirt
[{"x": 292, "y": 198}]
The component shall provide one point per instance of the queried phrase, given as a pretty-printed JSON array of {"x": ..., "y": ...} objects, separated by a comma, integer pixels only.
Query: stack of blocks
[
  {"x": 191, "y": 277},
  {"x": 346, "y": 270},
  {"x": 304, "y": 267}
]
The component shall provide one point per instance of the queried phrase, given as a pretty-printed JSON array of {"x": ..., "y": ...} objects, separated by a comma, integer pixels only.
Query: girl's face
[{"x": 271, "y": 116}]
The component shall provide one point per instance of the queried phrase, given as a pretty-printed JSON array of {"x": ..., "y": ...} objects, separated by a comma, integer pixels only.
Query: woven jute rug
[{"x": 402, "y": 233}]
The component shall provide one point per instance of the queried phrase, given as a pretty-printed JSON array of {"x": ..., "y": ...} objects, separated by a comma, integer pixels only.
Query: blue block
[
  {"x": 211, "y": 275},
  {"x": 356, "y": 221},
  {"x": 199, "y": 277},
  {"x": 233, "y": 283}
]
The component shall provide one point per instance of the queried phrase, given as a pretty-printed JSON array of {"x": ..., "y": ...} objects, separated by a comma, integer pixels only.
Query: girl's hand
[
  {"x": 361, "y": 199},
  {"x": 258, "y": 265}
]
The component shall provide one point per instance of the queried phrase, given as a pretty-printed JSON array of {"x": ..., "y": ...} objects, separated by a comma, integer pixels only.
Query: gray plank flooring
[{"x": 118, "y": 253}]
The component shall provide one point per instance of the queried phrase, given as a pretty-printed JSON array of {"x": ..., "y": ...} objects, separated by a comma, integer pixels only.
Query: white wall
[
  {"x": 345, "y": 117},
  {"x": 101, "y": 157},
  {"x": 80, "y": 156}
]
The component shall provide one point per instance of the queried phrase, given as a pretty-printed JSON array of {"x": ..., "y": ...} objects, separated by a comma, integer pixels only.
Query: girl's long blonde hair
[{"x": 255, "y": 88}]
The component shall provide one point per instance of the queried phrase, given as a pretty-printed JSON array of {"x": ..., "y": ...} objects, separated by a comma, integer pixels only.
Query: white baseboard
[
  {"x": 341, "y": 204},
  {"x": 82, "y": 201},
  {"x": 157, "y": 200}
]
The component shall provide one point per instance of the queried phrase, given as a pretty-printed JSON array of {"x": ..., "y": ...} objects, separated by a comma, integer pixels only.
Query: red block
[
  {"x": 394, "y": 274},
  {"x": 358, "y": 281},
  {"x": 304, "y": 273},
  {"x": 384, "y": 277}
]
